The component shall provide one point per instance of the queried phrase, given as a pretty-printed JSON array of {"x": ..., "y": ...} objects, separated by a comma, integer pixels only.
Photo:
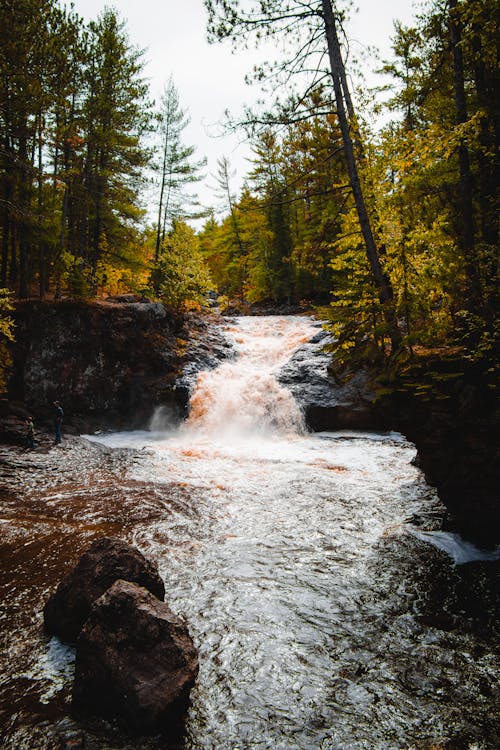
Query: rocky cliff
[
  {"x": 109, "y": 363},
  {"x": 447, "y": 404}
]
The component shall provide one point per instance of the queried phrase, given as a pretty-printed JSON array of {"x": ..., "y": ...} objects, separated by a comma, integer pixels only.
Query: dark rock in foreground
[
  {"x": 105, "y": 561},
  {"x": 135, "y": 661}
]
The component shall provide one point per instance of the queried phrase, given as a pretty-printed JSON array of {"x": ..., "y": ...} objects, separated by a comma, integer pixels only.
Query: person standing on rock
[{"x": 58, "y": 420}]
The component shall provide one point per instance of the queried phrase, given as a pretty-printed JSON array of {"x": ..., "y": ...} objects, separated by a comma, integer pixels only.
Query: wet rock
[
  {"x": 79, "y": 353},
  {"x": 105, "y": 561},
  {"x": 327, "y": 402},
  {"x": 448, "y": 409},
  {"x": 12, "y": 423},
  {"x": 127, "y": 298},
  {"x": 465, "y": 597},
  {"x": 207, "y": 345},
  {"x": 135, "y": 661}
]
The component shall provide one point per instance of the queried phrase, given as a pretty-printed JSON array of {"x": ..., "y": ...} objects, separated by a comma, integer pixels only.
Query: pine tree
[
  {"x": 116, "y": 118},
  {"x": 181, "y": 275},
  {"x": 177, "y": 169}
]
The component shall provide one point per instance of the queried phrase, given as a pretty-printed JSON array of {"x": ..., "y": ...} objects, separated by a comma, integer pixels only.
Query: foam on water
[{"x": 460, "y": 550}]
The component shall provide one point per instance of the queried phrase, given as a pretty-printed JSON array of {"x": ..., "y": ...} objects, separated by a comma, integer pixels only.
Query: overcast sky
[{"x": 208, "y": 77}]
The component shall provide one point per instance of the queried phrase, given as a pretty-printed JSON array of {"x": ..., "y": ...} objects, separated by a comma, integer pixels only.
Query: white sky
[{"x": 209, "y": 78}]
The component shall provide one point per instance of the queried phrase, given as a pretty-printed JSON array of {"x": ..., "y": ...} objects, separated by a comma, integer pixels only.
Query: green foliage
[
  {"x": 6, "y": 334},
  {"x": 176, "y": 168},
  {"x": 430, "y": 181},
  {"x": 6, "y": 322},
  {"x": 355, "y": 313},
  {"x": 73, "y": 115},
  {"x": 181, "y": 276},
  {"x": 276, "y": 242},
  {"x": 75, "y": 118},
  {"x": 480, "y": 342}
]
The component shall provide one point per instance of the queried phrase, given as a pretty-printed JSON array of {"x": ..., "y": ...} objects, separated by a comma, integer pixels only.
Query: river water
[{"x": 306, "y": 565}]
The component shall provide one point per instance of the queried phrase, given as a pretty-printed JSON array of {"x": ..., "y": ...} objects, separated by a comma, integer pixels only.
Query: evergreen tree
[
  {"x": 23, "y": 96},
  {"x": 72, "y": 117},
  {"x": 181, "y": 275},
  {"x": 270, "y": 184},
  {"x": 439, "y": 205},
  {"x": 116, "y": 117},
  {"x": 177, "y": 169}
]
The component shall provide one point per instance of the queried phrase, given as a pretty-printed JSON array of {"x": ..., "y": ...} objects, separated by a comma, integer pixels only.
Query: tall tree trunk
[
  {"x": 13, "y": 270},
  {"x": 41, "y": 239},
  {"x": 25, "y": 212},
  {"x": 226, "y": 188},
  {"x": 487, "y": 98},
  {"x": 69, "y": 213},
  {"x": 5, "y": 230},
  {"x": 7, "y": 195},
  {"x": 382, "y": 282},
  {"x": 166, "y": 208},
  {"x": 57, "y": 292},
  {"x": 466, "y": 223},
  {"x": 159, "y": 231}
]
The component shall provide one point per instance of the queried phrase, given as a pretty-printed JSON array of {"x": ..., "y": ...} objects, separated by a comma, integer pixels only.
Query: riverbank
[
  {"x": 445, "y": 401},
  {"x": 54, "y": 501}
]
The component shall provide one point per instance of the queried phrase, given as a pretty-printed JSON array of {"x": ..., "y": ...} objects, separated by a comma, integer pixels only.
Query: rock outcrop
[
  {"x": 448, "y": 407},
  {"x": 135, "y": 661},
  {"x": 110, "y": 363},
  {"x": 105, "y": 561},
  {"x": 80, "y": 353},
  {"x": 326, "y": 402}
]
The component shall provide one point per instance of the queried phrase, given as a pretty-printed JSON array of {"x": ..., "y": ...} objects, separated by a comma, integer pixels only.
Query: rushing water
[{"x": 303, "y": 567}]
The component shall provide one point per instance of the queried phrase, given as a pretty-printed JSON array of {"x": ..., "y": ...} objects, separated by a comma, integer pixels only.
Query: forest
[{"x": 391, "y": 233}]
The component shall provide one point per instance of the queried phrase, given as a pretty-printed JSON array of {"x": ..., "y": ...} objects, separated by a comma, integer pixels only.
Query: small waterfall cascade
[{"x": 243, "y": 397}]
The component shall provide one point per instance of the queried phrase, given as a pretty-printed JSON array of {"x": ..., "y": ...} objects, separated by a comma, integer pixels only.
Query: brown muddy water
[{"x": 329, "y": 608}]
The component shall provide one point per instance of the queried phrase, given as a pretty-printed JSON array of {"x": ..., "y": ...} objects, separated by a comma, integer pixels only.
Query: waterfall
[
  {"x": 164, "y": 419},
  {"x": 243, "y": 397}
]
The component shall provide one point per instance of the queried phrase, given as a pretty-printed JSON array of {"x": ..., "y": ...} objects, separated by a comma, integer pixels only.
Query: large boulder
[
  {"x": 135, "y": 661},
  {"x": 105, "y": 561}
]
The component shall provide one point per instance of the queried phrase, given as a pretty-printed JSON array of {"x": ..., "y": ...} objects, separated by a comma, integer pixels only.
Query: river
[{"x": 306, "y": 565}]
